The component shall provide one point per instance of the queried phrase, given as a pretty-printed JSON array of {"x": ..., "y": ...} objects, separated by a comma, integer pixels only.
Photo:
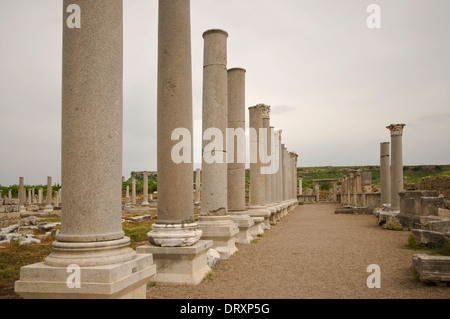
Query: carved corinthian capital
[{"x": 396, "y": 129}]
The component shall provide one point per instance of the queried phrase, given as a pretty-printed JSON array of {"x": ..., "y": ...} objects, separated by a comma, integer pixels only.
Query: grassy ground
[{"x": 13, "y": 256}]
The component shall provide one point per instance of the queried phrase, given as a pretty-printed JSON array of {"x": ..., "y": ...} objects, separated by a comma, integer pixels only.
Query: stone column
[
  {"x": 276, "y": 187},
  {"x": 133, "y": 190},
  {"x": 300, "y": 186},
  {"x": 48, "y": 204},
  {"x": 33, "y": 200},
  {"x": 29, "y": 201},
  {"x": 317, "y": 191},
  {"x": 175, "y": 237},
  {"x": 127, "y": 196},
  {"x": 57, "y": 199},
  {"x": 145, "y": 201},
  {"x": 358, "y": 189},
  {"x": 268, "y": 177},
  {"x": 91, "y": 240},
  {"x": 257, "y": 206},
  {"x": 40, "y": 195},
  {"x": 21, "y": 195},
  {"x": 385, "y": 173},
  {"x": 280, "y": 189},
  {"x": 198, "y": 186},
  {"x": 396, "y": 163},
  {"x": 335, "y": 191},
  {"x": 236, "y": 164},
  {"x": 214, "y": 220},
  {"x": 9, "y": 194}
]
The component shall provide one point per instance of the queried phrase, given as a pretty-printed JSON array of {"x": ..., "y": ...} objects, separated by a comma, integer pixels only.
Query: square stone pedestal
[
  {"x": 179, "y": 265},
  {"x": 120, "y": 281},
  {"x": 222, "y": 231}
]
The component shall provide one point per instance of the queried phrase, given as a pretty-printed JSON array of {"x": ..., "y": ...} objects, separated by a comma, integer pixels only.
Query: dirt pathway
[{"x": 313, "y": 253}]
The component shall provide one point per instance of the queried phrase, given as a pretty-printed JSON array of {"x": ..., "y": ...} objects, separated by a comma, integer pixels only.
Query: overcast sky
[{"x": 333, "y": 83}]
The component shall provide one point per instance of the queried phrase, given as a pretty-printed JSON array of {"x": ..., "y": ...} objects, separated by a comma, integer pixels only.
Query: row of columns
[
  {"x": 28, "y": 200},
  {"x": 91, "y": 238}
]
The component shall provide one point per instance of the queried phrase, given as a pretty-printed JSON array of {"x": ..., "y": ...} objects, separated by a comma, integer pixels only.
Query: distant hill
[{"x": 412, "y": 174}]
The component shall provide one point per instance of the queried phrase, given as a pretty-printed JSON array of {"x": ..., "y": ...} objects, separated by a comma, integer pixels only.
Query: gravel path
[{"x": 313, "y": 253}]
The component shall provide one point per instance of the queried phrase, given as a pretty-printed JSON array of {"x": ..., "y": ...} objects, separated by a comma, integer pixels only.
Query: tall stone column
[
  {"x": 22, "y": 195},
  {"x": 48, "y": 204},
  {"x": 145, "y": 201},
  {"x": 396, "y": 163},
  {"x": 91, "y": 242},
  {"x": 214, "y": 220},
  {"x": 175, "y": 242},
  {"x": 133, "y": 190},
  {"x": 29, "y": 201},
  {"x": 385, "y": 173},
  {"x": 274, "y": 176},
  {"x": 236, "y": 164},
  {"x": 335, "y": 191},
  {"x": 280, "y": 174},
  {"x": 257, "y": 206},
  {"x": 198, "y": 186},
  {"x": 358, "y": 189},
  {"x": 300, "y": 186},
  {"x": 268, "y": 177}
]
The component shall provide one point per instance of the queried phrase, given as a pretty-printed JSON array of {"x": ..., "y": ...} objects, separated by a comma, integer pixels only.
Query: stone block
[
  {"x": 179, "y": 265},
  {"x": 442, "y": 212},
  {"x": 427, "y": 237},
  {"x": 431, "y": 268},
  {"x": 124, "y": 280}
]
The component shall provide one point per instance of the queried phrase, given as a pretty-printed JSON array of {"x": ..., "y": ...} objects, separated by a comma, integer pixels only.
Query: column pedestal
[
  {"x": 117, "y": 281},
  {"x": 179, "y": 265},
  {"x": 222, "y": 231},
  {"x": 245, "y": 223}
]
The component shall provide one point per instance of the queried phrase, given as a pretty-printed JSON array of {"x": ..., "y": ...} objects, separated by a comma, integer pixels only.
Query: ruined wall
[
  {"x": 435, "y": 183},
  {"x": 9, "y": 212}
]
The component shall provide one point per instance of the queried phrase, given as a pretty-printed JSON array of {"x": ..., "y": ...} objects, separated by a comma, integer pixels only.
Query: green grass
[
  {"x": 435, "y": 248},
  {"x": 137, "y": 231},
  {"x": 12, "y": 257}
]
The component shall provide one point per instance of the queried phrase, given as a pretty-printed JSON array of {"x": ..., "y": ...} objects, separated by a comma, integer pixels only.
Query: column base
[
  {"x": 258, "y": 227},
  {"x": 245, "y": 223},
  {"x": 279, "y": 208},
  {"x": 260, "y": 211},
  {"x": 119, "y": 281},
  {"x": 179, "y": 265},
  {"x": 222, "y": 231},
  {"x": 177, "y": 235},
  {"x": 273, "y": 211}
]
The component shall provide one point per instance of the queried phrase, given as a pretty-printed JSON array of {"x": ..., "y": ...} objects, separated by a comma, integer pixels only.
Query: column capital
[
  {"x": 396, "y": 129},
  {"x": 263, "y": 108}
]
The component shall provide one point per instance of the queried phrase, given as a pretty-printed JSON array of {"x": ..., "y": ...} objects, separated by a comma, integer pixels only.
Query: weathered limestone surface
[
  {"x": 175, "y": 243},
  {"x": 385, "y": 173},
  {"x": 257, "y": 206},
  {"x": 9, "y": 212},
  {"x": 396, "y": 163},
  {"x": 431, "y": 268},
  {"x": 214, "y": 220},
  {"x": 91, "y": 233},
  {"x": 236, "y": 165}
]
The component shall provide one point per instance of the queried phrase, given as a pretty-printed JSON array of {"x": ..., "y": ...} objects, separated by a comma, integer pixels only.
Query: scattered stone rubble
[{"x": 23, "y": 231}]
